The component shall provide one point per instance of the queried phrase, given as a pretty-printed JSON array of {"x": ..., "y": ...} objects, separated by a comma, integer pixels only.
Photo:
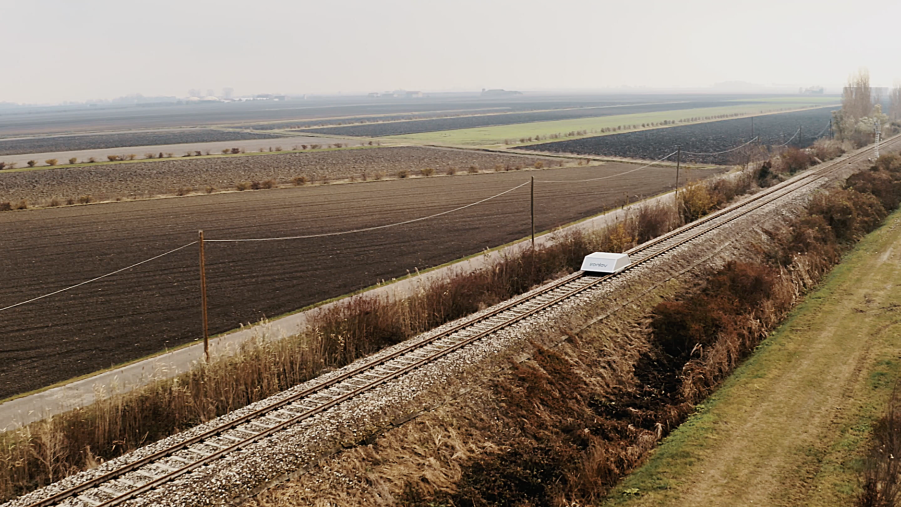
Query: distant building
[
  {"x": 374, "y": 95},
  {"x": 811, "y": 90},
  {"x": 413, "y": 95},
  {"x": 499, "y": 92}
]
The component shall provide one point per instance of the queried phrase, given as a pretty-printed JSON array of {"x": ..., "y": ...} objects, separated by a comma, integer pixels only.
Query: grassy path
[{"x": 790, "y": 427}]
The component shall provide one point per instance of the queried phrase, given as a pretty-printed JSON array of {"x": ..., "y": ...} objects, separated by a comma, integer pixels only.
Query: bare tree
[
  {"x": 894, "y": 109},
  {"x": 857, "y": 99}
]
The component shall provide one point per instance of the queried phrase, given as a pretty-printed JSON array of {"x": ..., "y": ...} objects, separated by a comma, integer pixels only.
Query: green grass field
[{"x": 495, "y": 136}]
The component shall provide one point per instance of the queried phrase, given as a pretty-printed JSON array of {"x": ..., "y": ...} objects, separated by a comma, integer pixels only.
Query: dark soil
[
  {"x": 773, "y": 129},
  {"x": 99, "y": 141},
  {"x": 435, "y": 125},
  {"x": 156, "y": 306},
  {"x": 145, "y": 179}
]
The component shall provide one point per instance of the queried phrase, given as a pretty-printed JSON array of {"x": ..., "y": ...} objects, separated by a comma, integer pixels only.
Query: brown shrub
[
  {"x": 881, "y": 183},
  {"x": 73, "y": 160},
  {"x": 112, "y": 158},
  {"x": 54, "y": 202},
  {"x": 2, "y": 166},
  {"x": 85, "y": 199},
  {"x": 403, "y": 173},
  {"x": 680, "y": 327},
  {"x": 850, "y": 214},
  {"x": 31, "y": 163},
  {"x": 255, "y": 185},
  {"x": 890, "y": 162},
  {"x": 882, "y": 469},
  {"x": 653, "y": 221},
  {"x": 472, "y": 169},
  {"x": 299, "y": 181},
  {"x": 428, "y": 171},
  {"x": 242, "y": 186},
  {"x": 766, "y": 176},
  {"x": 794, "y": 160},
  {"x": 269, "y": 184},
  {"x": 51, "y": 162},
  {"x": 210, "y": 190},
  {"x": 6, "y": 206},
  {"x": 695, "y": 201},
  {"x": 450, "y": 171},
  {"x": 827, "y": 149}
]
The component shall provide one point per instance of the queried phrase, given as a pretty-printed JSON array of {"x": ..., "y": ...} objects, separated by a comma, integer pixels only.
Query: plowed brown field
[{"x": 155, "y": 306}]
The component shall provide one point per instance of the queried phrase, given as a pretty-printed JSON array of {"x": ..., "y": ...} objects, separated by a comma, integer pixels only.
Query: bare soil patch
[
  {"x": 156, "y": 306},
  {"x": 166, "y": 177}
]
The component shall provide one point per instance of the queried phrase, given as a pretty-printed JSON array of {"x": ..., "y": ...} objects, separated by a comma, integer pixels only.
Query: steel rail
[{"x": 769, "y": 196}]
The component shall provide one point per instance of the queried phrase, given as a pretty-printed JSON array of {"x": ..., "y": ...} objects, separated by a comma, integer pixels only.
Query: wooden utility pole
[
  {"x": 206, "y": 328},
  {"x": 533, "y": 212},
  {"x": 678, "y": 164}
]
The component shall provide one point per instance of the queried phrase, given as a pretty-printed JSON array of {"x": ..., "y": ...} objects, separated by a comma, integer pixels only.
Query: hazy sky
[{"x": 57, "y": 50}]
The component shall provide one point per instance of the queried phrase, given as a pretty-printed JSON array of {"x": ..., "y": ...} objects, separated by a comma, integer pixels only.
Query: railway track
[{"x": 157, "y": 468}]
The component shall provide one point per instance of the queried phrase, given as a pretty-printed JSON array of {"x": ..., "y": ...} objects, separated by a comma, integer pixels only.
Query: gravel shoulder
[{"x": 791, "y": 426}]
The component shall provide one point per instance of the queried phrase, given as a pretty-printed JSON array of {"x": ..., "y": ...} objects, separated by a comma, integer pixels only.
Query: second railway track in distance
[{"x": 161, "y": 466}]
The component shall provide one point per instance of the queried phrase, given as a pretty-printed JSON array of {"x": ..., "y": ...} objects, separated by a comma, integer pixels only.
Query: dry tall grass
[{"x": 882, "y": 471}]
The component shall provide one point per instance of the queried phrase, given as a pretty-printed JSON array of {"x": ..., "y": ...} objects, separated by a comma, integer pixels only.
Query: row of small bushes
[
  {"x": 196, "y": 153},
  {"x": 620, "y": 128}
]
